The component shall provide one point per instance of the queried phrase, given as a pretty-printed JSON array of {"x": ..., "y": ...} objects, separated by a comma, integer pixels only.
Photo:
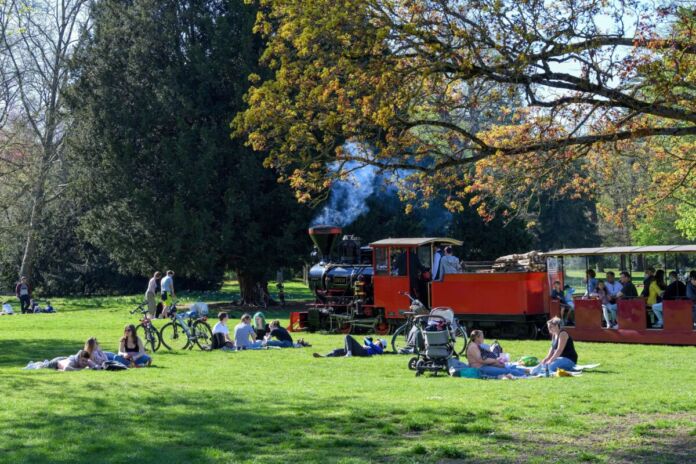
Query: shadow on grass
[
  {"x": 17, "y": 353},
  {"x": 218, "y": 426}
]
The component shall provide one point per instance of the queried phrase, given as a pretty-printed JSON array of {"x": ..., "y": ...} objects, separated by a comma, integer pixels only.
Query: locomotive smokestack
[{"x": 324, "y": 238}]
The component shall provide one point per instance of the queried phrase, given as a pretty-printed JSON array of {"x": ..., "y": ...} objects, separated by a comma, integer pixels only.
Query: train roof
[
  {"x": 622, "y": 250},
  {"x": 415, "y": 242}
]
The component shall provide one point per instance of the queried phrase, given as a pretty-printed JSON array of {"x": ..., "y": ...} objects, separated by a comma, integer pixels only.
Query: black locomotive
[{"x": 341, "y": 281}]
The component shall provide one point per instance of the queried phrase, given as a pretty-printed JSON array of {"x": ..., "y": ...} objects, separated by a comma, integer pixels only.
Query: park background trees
[{"x": 517, "y": 124}]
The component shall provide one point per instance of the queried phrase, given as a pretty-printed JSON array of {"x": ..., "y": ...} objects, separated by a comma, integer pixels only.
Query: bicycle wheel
[
  {"x": 400, "y": 338},
  {"x": 203, "y": 335},
  {"x": 461, "y": 340},
  {"x": 150, "y": 336},
  {"x": 174, "y": 337}
]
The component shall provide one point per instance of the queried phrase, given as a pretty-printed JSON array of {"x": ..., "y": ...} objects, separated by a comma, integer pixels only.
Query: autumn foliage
[{"x": 489, "y": 101}]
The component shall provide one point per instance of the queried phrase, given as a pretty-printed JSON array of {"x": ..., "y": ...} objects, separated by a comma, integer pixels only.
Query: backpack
[
  {"x": 114, "y": 366},
  {"x": 218, "y": 341}
]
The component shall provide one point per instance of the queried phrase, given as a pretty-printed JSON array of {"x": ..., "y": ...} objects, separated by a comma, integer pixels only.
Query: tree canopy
[
  {"x": 157, "y": 84},
  {"x": 485, "y": 99}
]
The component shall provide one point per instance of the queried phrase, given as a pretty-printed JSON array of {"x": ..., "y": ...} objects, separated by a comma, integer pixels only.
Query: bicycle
[
  {"x": 399, "y": 341},
  {"x": 182, "y": 334},
  {"x": 145, "y": 330}
]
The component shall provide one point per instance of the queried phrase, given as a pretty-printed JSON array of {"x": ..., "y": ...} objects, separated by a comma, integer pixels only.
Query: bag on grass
[
  {"x": 218, "y": 341},
  {"x": 470, "y": 373},
  {"x": 114, "y": 366}
]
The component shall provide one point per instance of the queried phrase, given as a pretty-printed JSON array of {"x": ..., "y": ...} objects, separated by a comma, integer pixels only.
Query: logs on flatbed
[{"x": 532, "y": 261}]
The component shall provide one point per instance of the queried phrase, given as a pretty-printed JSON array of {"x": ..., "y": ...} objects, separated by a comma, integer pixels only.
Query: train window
[
  {"x": 399, "y": 257},
  {"x": 424, "y": 256},
  {"x": 381, "y": 262}
]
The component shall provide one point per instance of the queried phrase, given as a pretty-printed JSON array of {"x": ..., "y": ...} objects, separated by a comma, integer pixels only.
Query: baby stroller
[{"x": 438, "y": 339}]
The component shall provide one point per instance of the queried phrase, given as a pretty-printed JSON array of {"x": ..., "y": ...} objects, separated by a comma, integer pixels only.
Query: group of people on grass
[
  {"x": 131, "y": 353},
  {"x": 252, "y": 337},
  {"x": 609, "y": 291},
  {"x": 561, "y": 355}
]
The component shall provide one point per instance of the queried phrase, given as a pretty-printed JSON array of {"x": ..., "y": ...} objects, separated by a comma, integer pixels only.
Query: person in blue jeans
[
  {"x": 131, "y": 351},
  {"x": 488, "y": 365},
  {"x": 283, "y": 339},
  {"x": 562, "y": 354},
  {"x": 351, "y": 347}
]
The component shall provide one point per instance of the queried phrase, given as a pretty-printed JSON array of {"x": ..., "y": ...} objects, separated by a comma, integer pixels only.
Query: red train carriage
[
  {"x": 634, "y": 315},
  {"x": 512, "y": 303}
]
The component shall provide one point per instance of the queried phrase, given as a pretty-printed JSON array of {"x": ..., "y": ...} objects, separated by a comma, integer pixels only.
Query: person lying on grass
[
  {"x": 97, "y": 357},
  {"x": 488, "y": 366},
  {"x": 75, "y": 362},
  {"x": 131, "y": 351},
  {"x": 353, "y": 348},
  {"x": 562, "y": 354}
]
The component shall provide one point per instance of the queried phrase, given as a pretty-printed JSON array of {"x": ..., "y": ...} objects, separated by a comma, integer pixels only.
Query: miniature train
[{"x": 366, "y": 288}]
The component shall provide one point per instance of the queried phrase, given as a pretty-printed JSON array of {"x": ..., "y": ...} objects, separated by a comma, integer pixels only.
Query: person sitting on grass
[
  {"x": 221, "y": 333},
  {"x": 260, "y": 326},
  {"x": 488, "y": 366},
  {"x": 131, "y": 351},
  {"x": 75, "y": 362},
  {"x": 352, "y": 348},
  {"x": 245, "y": 335},
  {"x": 283, "y": 339},
  {"x": 562, "y": 354},
  {"x": 97, "y": 357}
]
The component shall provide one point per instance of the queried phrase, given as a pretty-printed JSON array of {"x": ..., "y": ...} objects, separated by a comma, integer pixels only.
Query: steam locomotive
[{"x": 342, "y": 283}]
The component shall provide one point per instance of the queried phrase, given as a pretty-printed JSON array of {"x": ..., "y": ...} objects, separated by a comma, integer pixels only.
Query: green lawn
[{"x": 285, "y": 406}]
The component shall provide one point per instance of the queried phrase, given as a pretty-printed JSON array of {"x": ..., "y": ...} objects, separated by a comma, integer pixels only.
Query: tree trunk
[
  {"x": 27, "y": 267},
  {"x": 254, "y": 289}
]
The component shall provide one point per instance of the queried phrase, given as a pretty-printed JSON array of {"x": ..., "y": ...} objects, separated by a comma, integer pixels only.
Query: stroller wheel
[{"x": 412, "y": 363}]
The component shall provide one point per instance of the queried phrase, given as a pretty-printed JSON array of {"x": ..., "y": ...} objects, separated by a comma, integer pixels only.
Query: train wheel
[
  {"x": 532, "y": 331},
  {"x": 382, "y": 328}
]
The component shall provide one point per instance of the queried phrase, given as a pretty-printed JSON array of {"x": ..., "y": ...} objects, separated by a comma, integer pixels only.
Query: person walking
[
  {"x": 23, "y": 291},
  {"x": 168, "y": 294},
  {"x": 150, "y": 294}
]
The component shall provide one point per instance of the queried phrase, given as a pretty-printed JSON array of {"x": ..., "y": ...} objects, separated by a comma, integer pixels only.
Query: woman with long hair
[
  {"x": 562, "y": 354},
  {"x": 131, "y": 351},
  {"x": 97, "y": 357}
]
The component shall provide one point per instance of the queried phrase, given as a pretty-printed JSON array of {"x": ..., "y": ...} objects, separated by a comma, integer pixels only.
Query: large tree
[
  {"x": 404, "y": 79},
  {"x": 37, "y": 40},
  {"x": 157, "y": 83}
]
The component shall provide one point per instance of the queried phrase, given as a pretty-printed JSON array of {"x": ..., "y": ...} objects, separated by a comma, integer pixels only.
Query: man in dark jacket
[
  {"x": 628, "y": 290},
  {"x": 23, "y": 292}
]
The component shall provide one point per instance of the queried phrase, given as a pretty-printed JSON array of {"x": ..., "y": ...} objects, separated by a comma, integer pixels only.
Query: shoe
[
  {"x": 349, "y": 355},
  {"x": 317, "y": 355}
]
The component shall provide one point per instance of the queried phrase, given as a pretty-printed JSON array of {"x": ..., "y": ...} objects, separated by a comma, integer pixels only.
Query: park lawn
[{"x": 282, "y": 406}]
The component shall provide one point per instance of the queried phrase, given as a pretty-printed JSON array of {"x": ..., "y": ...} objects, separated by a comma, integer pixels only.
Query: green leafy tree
[{"x": 157, "y": 83}]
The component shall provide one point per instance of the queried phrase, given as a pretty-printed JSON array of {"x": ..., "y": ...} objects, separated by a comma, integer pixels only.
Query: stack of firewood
[{"x": 532, "y": 261}]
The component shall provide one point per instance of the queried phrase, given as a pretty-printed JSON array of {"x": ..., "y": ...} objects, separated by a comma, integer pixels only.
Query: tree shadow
[{"x": 17, "y": 353}]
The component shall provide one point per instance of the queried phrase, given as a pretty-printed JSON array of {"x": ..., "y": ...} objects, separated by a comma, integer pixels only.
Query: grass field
[{"x": 282, "y": 406}]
